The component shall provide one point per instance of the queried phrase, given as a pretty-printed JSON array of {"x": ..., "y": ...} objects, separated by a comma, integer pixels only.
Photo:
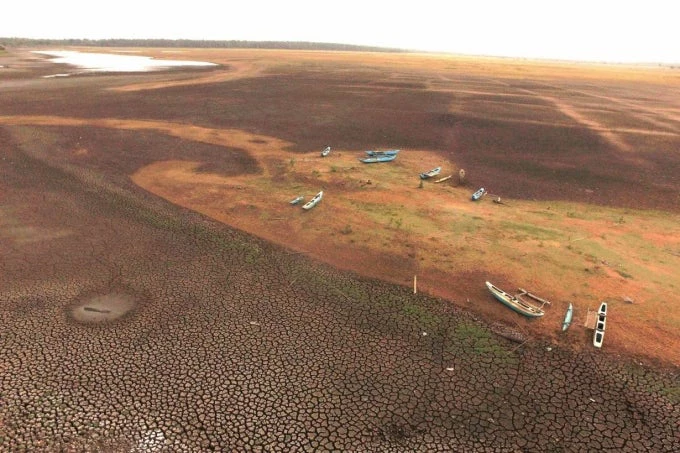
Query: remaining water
[{"x": 104, "y": 62}]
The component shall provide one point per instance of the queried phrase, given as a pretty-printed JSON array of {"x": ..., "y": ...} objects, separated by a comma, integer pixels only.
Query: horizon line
[{"x": 131, "y": 42}]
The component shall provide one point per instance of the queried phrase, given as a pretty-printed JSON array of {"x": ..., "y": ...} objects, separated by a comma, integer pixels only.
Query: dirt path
[
  {"x": 606, "y": 133},
  {"x": 671, "y": 118}
]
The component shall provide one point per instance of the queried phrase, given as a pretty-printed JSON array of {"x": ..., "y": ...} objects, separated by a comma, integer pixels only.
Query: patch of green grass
[
  {"x": 396, "y": 222},
  {"x": 532, "y": 231},
  {"x": 575, "y": 215},
  {"x": 253, "y": 255},
  {"x": 478, "y": 340},
  {"x": 672, "y": 393},
  {"x": 547, "y": 214},
  {"x": 624, "y": 274},
  {"x": 425, "y": 318},
  {"x": 467, "y": 224}
]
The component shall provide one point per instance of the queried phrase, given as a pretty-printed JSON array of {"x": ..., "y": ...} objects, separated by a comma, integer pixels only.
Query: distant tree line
[{"x": 191, "y": 43}]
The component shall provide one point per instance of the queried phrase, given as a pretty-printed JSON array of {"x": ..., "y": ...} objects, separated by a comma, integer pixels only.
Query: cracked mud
[{"x": 128, "y": 323}]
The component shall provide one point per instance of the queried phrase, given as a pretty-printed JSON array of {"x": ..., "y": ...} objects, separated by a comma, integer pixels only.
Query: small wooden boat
[
  {"x": 515, "y": 303},
  {"x": 326, "y": 151},
  {"x": 479, "y": 194},
  {"x": 379, "y": 158},
  {"x": 431, "y": 173},
  {"x": 444, "y": 179},
  {"x": 389, "y": 152},
  {"x": 296, "y": 200},
  {"x": 313, "y": 202},
  {"x": 600, "y": 324},
  {"x": 567, "y": 318}
]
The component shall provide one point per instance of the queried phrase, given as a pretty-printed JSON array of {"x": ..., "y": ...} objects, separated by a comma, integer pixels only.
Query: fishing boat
[
  {"x": 567, "y": 318},
  {"x": 326, "y": 151},
  {"x": 379, "y": 158},
  {"x": 479, "y": 194},
  {"x": 444, "y": 179},
  {"x": 600, "y": 324},
  {"x": 515, "y": 303},
  {"x": 296, "y": 200},
  {"x": 431, "y": 173},
  {"x": 313, "y": 202},
  {"x": 389, "y": 152}
]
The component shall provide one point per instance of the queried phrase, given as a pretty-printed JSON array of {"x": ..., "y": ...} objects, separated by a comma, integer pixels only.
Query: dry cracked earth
[{"x": 130, "y": 324}]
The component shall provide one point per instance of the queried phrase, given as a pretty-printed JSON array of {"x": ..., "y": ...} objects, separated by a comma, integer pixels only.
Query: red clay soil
[
  {"x": 224, "y": 341},
  {"x": 527, "y": 132}
]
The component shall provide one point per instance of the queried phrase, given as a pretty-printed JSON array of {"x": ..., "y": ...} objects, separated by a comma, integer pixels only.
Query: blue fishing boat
[
  {"x": 326, "y": 151},
  {"x": 479, "y": 194},
  {"x": 389, "y": 152},
  {"x": 567, "y": 318},
  {"x": 313, "y": 202},
  {"x": 515, "y": 303},
  {"x": 379, "y": 158},
  {"x": 431, "y": 173}
]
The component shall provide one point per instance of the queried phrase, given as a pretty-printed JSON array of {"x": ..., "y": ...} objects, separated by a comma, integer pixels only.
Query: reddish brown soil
[
  {"x": 223, "y": 317},
  {"x": 539, "y": 137}
]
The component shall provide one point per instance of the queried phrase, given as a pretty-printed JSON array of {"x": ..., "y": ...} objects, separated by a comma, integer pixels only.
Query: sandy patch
[{"x": 103, "y": 308}]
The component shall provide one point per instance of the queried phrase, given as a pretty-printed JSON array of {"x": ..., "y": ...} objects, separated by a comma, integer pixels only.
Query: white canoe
[
  {"x": 567, "y": 317},
  {"x": 313, "y": 202},
  {"x": 600, "y": 324}
]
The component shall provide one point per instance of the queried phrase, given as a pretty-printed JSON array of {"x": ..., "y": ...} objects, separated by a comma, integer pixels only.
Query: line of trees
[{"x": 191, "y": 43}]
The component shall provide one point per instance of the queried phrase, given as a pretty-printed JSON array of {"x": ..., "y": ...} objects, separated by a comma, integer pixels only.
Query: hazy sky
[{"x": 600, "y": 30}]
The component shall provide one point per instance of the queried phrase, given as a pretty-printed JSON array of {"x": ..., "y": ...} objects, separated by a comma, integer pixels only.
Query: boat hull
[
  {"x": 513, "y": 303},
  {"x": 432, "y": 173},
  {"x": 598, "y": 336},
  {"x": 567, "y": 317},
  {"x": 378, "y": 159},
  {"x": 313, "y": 202},
  {"x": 479, "y": 194},
  {"x": 391, "y": 152}
]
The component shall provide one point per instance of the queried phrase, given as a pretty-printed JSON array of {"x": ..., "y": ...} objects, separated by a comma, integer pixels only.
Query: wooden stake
[
  {"x": 415, "y": 284},
  {"x": 518, "y": 346}
]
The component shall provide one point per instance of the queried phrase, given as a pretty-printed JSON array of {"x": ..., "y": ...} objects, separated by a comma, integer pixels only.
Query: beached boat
[
  {"x": 313, "y": 202},
  {"x": 379, "y": 158},
  {"x": 389, "y": 152},
  {"x": 567, "y": 317},
  {"x": 296, "y": 200},
  {"x": 326, "y": 151},
  {"x": 598, "y": 337},
  {"x": 431, "y": 173},
  {"x": 444, "y": 178},
  {"x": 515, "y": 303},
  {"x": 479, "y": 194}
]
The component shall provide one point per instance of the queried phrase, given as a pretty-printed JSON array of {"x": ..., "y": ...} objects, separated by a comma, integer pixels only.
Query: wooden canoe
[{"x": 512, "y": 302}]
